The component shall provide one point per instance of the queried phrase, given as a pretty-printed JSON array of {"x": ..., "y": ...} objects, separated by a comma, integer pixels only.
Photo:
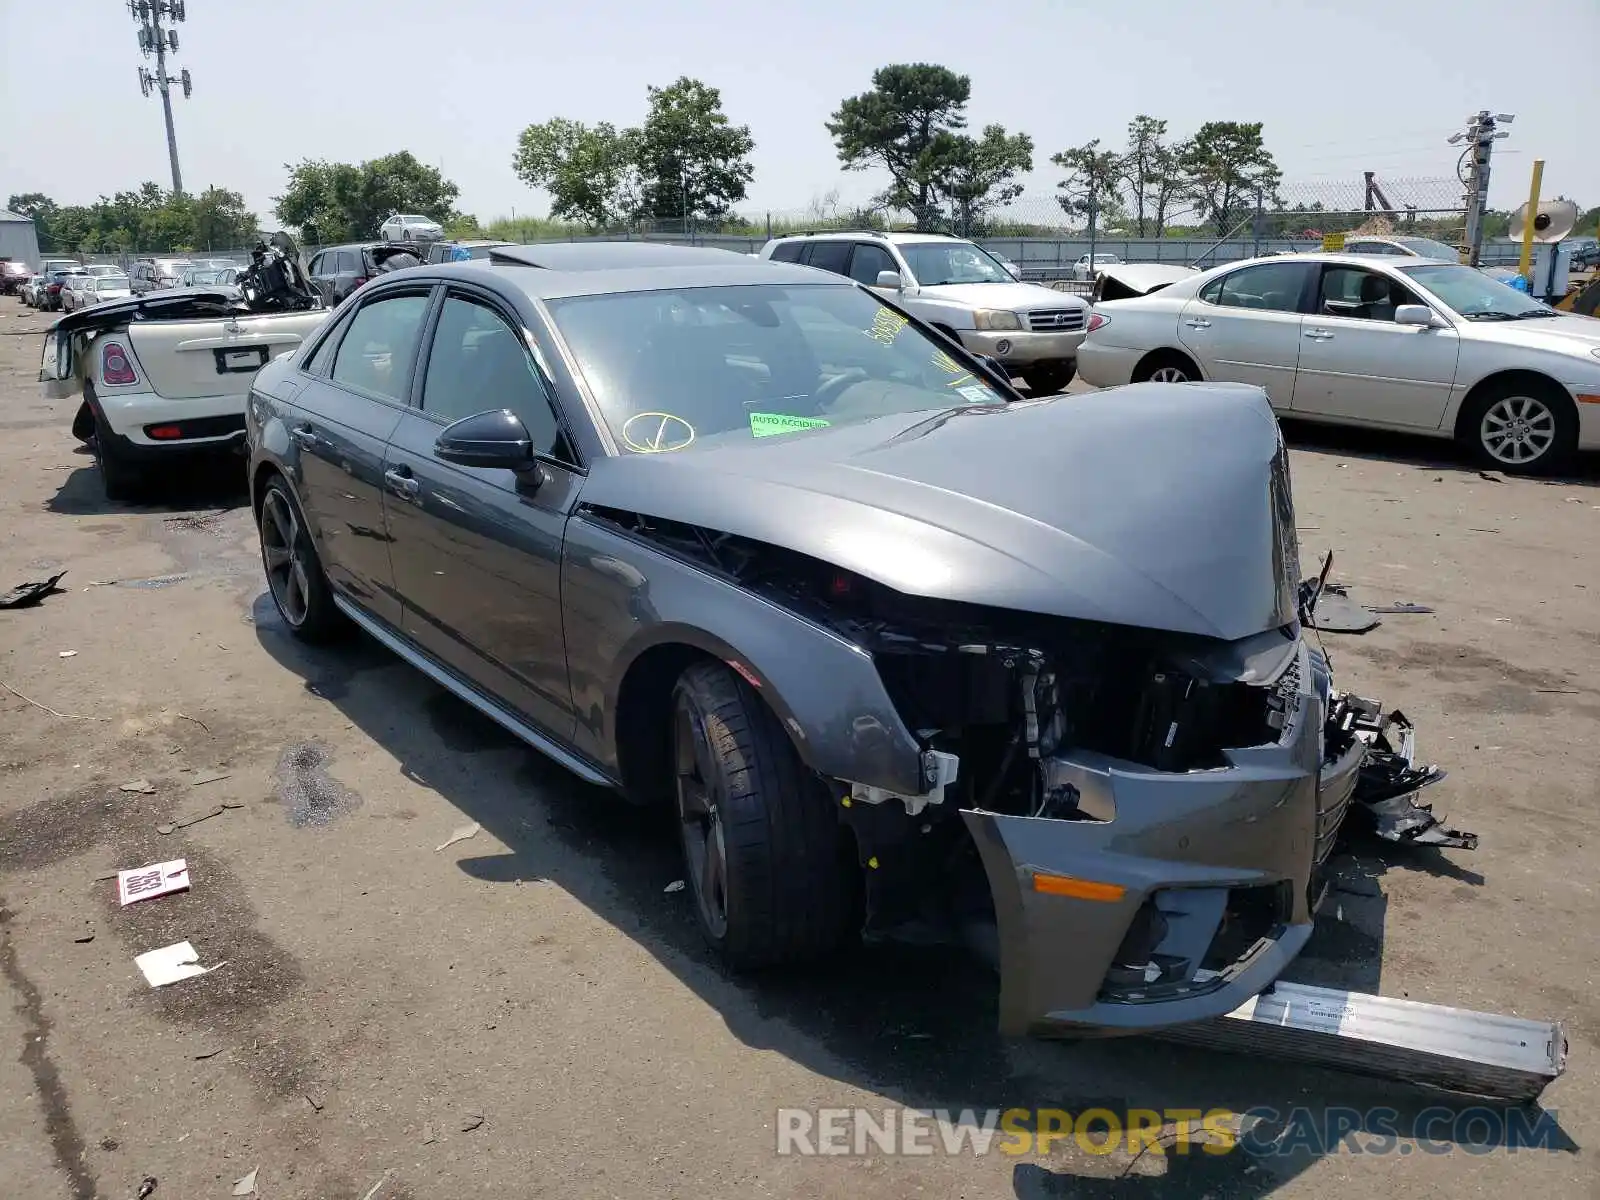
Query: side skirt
[{"x": 465, "y": 691}]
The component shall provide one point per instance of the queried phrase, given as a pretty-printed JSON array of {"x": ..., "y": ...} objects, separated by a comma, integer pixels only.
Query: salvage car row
[{"x": 758, "y": 543}]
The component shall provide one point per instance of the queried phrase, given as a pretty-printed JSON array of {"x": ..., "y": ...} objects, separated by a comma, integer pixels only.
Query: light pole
[
  {"x": 1481, "y": 133},
  {"x": 147, "y": 14}
]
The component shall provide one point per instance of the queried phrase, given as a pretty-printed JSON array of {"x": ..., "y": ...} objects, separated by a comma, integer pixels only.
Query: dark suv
[{"x": 336, "y": 271}]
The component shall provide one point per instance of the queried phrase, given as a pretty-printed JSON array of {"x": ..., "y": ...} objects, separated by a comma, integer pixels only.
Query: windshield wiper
[
  {"x": 1537, "y": 314},
  {"x": 1491, "y": 314}
]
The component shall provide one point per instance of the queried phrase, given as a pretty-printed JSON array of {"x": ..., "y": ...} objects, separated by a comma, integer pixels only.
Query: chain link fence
[{"x": 1040, "y": 235}]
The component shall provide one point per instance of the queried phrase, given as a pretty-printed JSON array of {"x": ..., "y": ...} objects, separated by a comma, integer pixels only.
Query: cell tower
[{"x": 153, "y": 39}]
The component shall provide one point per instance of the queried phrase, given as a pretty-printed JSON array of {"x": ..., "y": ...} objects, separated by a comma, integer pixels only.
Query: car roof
[
  {"x": 600, "y": 256},
  {"x": 855, "y": 235},
  {"x": 549, "y": 284}
]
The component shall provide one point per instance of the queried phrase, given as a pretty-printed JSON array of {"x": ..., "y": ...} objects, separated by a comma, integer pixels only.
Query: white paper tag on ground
[
  {"x": 171, "y": 963},
  {"x": 158, "y": 879}
]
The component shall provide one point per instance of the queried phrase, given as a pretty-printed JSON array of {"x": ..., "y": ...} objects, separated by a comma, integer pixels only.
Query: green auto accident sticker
[{"x": 767, "y": 424}]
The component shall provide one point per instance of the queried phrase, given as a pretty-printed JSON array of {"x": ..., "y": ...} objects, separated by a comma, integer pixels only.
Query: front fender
[{"x": 622, "y": 597}]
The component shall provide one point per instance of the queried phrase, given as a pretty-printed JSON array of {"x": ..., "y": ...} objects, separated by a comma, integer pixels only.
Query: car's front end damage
[{"x": 1131, "y": 766}]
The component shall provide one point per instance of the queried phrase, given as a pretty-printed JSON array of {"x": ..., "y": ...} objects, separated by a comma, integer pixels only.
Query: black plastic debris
[
  {"x": 1389, "y": 779},
  {"x": 25, "y": 595}
]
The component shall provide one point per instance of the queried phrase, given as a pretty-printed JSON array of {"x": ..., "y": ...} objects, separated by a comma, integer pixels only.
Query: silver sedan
[{"x": 1418, "y": 345}]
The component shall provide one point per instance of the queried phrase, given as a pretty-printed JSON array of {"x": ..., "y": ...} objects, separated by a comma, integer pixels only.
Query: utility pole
[
  {"x": 1480, "y": 135},
  {"x": 147, "y": 14}
]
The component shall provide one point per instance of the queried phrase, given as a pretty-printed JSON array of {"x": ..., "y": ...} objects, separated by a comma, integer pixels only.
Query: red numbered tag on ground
[{"x": 159, "y": 879}]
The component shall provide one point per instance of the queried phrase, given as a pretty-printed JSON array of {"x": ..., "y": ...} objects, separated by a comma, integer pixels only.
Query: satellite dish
[{"x": 1552, "y": 221}]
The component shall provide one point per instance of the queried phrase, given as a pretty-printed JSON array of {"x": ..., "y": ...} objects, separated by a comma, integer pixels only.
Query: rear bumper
[
  {"x": 212, "y": 429},
  {"x": 1205, "y": 880},
  {"x": 1107, "y": 366},
  {"x": 1021, "y": 347},
  {"x": 218, "y": 421}
]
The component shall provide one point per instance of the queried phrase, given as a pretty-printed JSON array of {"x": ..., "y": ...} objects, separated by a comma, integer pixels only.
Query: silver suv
[{"x": 961, "y": 289}]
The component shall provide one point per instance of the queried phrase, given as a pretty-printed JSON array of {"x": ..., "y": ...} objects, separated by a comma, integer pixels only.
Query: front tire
[
  {"x": 299, "y": 588},
  {"x": 1520, "y": 427},
  {"x": 763, "y": 851},
  {"x": 1048, "y": 380}
]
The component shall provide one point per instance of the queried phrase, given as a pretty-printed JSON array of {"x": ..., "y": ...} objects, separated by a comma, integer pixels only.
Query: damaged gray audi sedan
[{"x": 904, "y": 649}]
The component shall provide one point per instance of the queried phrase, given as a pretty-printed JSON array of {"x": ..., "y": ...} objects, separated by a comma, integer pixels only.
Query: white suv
[{"x": 960, "y": 289}]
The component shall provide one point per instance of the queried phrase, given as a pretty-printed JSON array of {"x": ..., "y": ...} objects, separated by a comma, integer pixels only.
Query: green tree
[
  {"x": 589, "y": 172},
  {"x": 221, "y": 221},
  {"x": 338, "y": 202},
  {"x": 1152, "y": 173},
  {"x": 691, "y": 161},
  {"x": 1091, "y": 188},
  {"x": 980, "y": 174},
  {"x": 908, "y": 125},
  {"x": 1228, "y": 166}
]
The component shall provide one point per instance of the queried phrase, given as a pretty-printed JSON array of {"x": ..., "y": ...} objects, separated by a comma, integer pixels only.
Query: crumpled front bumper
[{"x": 1181, "y": 894}]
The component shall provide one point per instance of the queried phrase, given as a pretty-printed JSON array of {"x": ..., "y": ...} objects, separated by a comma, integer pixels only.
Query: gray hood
[{"x": 1159, "y": 505}]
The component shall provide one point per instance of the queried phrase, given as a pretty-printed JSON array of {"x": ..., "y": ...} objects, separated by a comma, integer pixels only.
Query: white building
[{"x": 18, "y": 240}]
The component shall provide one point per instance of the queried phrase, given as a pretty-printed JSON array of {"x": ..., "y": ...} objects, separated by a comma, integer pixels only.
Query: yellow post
[{"x": 1525, "y": 261}]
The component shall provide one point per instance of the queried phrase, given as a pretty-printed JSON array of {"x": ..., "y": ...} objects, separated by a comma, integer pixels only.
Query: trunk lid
[{"x": 216, "y": 357}]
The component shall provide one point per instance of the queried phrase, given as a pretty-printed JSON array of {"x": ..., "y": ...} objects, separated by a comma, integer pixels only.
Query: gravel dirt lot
[{"x": 526, "y": 1013}]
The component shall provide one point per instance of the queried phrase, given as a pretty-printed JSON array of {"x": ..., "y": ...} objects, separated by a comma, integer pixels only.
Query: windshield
[
  {"x": 416, "y": 219},
  {"x": 1428, "y": 248},
  {"x": 200, "y": 277},
  {"x": 934, "y": 263},
  {"x": 714, "y": 366},
  {"x": 1475, "y": 295},
  {"x": 111, "y": 283}
]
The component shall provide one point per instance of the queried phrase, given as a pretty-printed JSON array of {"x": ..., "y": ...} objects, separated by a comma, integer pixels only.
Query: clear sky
[{"x": 1342, "y": 86}]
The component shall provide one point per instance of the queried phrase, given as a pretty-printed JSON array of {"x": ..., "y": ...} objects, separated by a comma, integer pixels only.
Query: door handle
[
  {"x": 1319, "y": 335},
  {"x": 305, "y": 437},
  {"x": 402, "y": 482},
  {"x": 1198, "y": 323}
]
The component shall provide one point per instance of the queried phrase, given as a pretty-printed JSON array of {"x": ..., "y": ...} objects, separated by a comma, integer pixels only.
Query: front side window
[
  {"x": 935, "y": 263},
  {"x": 478, "y": 362},
  {"x": 1363, "y": 294},
  {"x": 1271, "y": 287},
  {"x": 375, "y": 355},
  {"x": 698, "y": 367},
  {"x": 867, "y": 261}
]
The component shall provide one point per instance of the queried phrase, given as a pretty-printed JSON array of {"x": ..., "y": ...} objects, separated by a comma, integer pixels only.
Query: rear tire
[
  {"x": 763, "y": 851},
  {"x": 1166, "y": 366},
  {"x": 1520, "y": 417},
  {"x": 124, "y": 480},
  {"x": 295, "y": 578},
  {"x": 1047, "y": 381}
]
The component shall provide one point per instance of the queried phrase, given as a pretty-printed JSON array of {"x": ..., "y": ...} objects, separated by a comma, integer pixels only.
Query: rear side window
[
  {"x": 1271, "y": 287},
  {"x": 347, "y": 263},
  {"x": 376, "y": 353},
  {"x": 787, "y": 252},
  {"x": 829, "y": 256}
]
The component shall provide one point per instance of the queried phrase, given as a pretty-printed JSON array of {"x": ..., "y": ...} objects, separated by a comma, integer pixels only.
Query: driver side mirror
[
  {"x": 889, "y": 280},
  {"x": 496, "y": 439},
  {"x": 1415, "y": 314}
]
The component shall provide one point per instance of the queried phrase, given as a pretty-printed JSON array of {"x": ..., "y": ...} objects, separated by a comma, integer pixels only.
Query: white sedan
[
  {"x": 1408, "y": 344},
  {"x": 410, "y": 227}
]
